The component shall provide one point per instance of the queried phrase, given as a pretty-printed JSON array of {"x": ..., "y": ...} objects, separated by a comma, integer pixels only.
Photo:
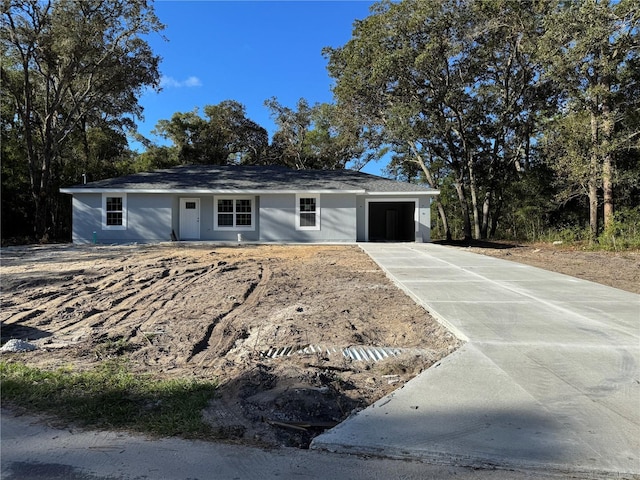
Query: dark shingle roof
[{"x": 250, "y": 178}]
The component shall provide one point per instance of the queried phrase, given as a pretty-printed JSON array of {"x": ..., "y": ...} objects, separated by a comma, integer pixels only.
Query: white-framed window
[
  {"x": 114, "y": 211},
  {"x": 307, "y": 212},
  {"x": 234, "y": 213}
]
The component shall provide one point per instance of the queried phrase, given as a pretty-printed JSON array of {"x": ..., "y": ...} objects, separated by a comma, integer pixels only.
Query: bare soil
[
  {"x": 615, "y": 269},
  {"x": 240, "y": 315},
  {"x": 230, "y": 314}
]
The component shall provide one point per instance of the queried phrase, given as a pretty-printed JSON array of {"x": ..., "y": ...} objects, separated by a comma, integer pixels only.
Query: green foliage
[
  {"x": 110, "y": 396},
  {"x": 17, "y": 214},
  {"x": 528, "y": 206},
  {"x": 155, "y": 157},
  {"x": 68, "y": 66},
  {"x": 311, "y": 137},
  {"x": 624, "y": 232},
  {"x": 223, "y": 136},
  {"x": 112, "y": 348},
  {"x": 589, "y": 50},
  {"x": 568, "y": 235},
  {"x": 525, "y": 115},
  {"x": 480, "y": 94},
  {"x": 566, "y": 145},
  {"x": 449, "y": 85}
]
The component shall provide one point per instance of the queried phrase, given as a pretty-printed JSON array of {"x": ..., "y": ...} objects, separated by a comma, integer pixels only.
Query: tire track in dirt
[
  {"x": 63, "y": 299},
  {"x": 101, "y": 299},
  {"x": 223, "y": 324},
  {"x": 191, "y": 304},
  {"x": 149, "y": 295},
  {"x": 171, "y": 307}
]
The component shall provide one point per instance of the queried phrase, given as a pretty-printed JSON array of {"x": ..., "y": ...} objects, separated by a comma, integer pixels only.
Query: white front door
[{"x": 189, "y": 219}]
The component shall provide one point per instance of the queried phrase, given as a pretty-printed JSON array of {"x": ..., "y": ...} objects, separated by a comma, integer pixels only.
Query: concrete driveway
[{"x": 548, "y": 380}]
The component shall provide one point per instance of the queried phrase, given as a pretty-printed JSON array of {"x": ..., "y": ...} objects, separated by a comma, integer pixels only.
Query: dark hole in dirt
[{"x": 289, "y": 410}]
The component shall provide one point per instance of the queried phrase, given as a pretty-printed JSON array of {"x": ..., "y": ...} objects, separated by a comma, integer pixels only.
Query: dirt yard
[
  {"x": 236, "y": 314},
  {"x": 270, "y": 323},
  {"x": 616, "y": 269}
]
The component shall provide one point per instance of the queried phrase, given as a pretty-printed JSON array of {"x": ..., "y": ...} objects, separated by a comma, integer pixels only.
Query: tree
[
  {"x": 392, "y": 78},
  {"x": 16, "y": 214},
  {"x": 331, "y": 143},
  {"x": 224, "y": 136},
  {"x": 311, "y": 137},
  {"x": 566, "y": 144},
  {"x": 153, "y": 158},
  {"x": 68, "y": 65},
  {"x": 448, "y": 85},
  {"x": 589, "y": 47},
  {"x": 96, "y": 152},
  {"x": 511, "y": 97}
]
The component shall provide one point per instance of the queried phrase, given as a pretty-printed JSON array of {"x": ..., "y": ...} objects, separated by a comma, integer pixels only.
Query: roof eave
[
  {"x": 201, "y": 191},
  {"x": 407, "y": 194}
]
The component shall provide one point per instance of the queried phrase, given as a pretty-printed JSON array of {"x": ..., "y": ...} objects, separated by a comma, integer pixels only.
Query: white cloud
[
  {"x": 170, "y": 82},
  {"x": 192, "y": 82}
]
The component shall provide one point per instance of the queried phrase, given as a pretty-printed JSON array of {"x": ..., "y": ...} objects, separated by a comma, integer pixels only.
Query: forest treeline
[{"x": 525, "y": 115}]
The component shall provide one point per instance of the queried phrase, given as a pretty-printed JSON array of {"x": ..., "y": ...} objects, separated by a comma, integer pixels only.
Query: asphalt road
[{"x": 34, "y": 450}]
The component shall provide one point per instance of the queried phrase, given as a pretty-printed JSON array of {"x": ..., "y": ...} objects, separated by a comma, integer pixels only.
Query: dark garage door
[{"x": 392, "y": 222}]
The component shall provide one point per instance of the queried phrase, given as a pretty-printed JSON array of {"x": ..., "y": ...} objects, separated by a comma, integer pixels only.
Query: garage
[{"x": 392, "y": 221}]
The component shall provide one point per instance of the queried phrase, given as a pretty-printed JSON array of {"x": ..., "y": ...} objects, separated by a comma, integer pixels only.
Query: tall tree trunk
[
  {"x": 85, "y": 146},
  {"x": 443, "y": 219},
  {"x": 489, "y": 193},
  {"x": 496, "y": 216},
  {"x": 593, "y": 208},
  {"x": 607, "y": 186},
  {"x": 43, "y": 200},
  {"x": 25, "y": 112},
  {"x": 427, "y": 173},
  {"x": 474, "y": 196},
  {"x": 593, "y": 179},
  {"x": 607, "y": 163},
  {"x": 464, "y": 206},
  {"x": 486, "y": 208}
]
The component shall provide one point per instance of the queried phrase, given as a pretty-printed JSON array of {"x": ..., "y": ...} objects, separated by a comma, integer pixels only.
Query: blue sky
[{"x": 247, "y": 51}]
